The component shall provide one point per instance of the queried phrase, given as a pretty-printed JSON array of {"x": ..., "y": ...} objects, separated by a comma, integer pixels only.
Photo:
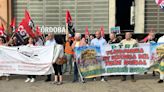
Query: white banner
[
  {"x": 126, "y": 61},
  {"x": 27, "y": 60}
]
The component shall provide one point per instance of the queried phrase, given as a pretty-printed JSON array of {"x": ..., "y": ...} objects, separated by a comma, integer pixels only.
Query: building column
[
  {"x": 5, "y": 12},
  {"x": 139, "y": 16},
  {"x": 112, "y": 14}
]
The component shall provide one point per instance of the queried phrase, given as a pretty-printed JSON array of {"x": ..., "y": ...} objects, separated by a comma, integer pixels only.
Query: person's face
[
  {"x": 14, "y": 39},
  {"x": 77, "y": 38},
  {"x": 50, "y": 36},
  {"x": 30, "y": 41},
  {"x": 1, "y": 41},
  {"x": 98, "y": 35},
  {"x": 112, "y": 36},
  {"x": 128, "y": 36},
  {"x": 91, "y": 37}
]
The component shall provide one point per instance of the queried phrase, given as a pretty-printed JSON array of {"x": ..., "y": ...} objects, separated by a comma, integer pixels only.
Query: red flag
[
  {"x": 38, "y": 32},
  {"x": 102, "y": 31},
  {"x": 2, "y": 30},
  {"x": 159, "y": 1},
  {"x": 29, "y": 20},
  {"x": 86, "y": 31},
  {"x": 28, "y": 24},
  {"x": 23, "y": 26},
  {"x": 27, "y": 15},
  {"x": 13, "y": 23},
  {"x": 68, "y": 16}
]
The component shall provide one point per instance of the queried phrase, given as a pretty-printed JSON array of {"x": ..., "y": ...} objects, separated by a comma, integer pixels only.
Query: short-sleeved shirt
[
  {"x": 98, "y": 42},
  {"x": 161, "y": 39},
  {"x": 128, "y": 42},
  {"x": 50, "y": 42}
]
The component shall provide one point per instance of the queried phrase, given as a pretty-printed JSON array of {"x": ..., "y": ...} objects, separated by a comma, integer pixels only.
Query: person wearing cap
[{"x": 78, "y": 42}]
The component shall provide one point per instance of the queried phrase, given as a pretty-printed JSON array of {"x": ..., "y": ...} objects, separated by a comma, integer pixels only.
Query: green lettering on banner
[
  {"x": 93, "y": 72},
  {"x": 127, "y": 46},
  {"x": 117, "y": 69},
  {"x": 135, "y": 45},
  {"x": 113, "y": 46},
  {"x": 137, "y": 69}
]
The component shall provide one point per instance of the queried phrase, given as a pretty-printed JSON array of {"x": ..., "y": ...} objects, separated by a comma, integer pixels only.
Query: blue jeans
[
  {"x": 69, "y": 61},
  {"x": 75, "y": 76}
]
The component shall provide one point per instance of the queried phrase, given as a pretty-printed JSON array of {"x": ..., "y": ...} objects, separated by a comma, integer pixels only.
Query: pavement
[{"x": 144, "y": 83}]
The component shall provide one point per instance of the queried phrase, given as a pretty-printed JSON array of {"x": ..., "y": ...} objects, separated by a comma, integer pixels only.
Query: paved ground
[{"x": 145, "y": 83}]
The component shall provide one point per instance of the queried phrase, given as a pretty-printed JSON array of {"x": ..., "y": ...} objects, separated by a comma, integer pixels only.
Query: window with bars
[
  {"x": 154, "y": 17},
  {"x": 51, "y": 13}
]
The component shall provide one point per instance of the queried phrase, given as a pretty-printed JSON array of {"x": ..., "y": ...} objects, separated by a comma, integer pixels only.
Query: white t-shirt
[
  {"x": 161, "y": 39},
  {"x": 50, "y": 42}
]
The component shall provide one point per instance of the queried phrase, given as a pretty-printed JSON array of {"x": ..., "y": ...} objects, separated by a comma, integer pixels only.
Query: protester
[
  {"x": 50, "y": 41},
  {"x": 151, "y": 35},
  {"x": 101, "y": 42},
  {"x": 113, "y": 39},
  {"x": 151, "y": 39},
  {"x": 2, "y": 43},
  {"x": 128, "y": 42},
  {"x": 38, "y": 41},
  {"x": 58, "y": 78},
  {"x": 77, "y": 43},
  {"x": 161, "y": 40},
  {"x": 91, "y": 37},
  {"x": 30, "y": 78},
  {"x": 69, "y": 54}
]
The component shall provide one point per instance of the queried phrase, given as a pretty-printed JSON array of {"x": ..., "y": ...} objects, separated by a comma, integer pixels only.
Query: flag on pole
[
  {"x": 21, "y": 32},
  {"x": 68, "y": 17},
  {"x": 13, "y": 24},
  {"x": 102, "y": 31},
  {"x": 29, "y": 20},
  {"x": 38, "y": 32},
  {"x": 160, "y": 3},
  {"x": 29, "y": 24},
  {"x": 86, "y": 32},
  {"x": 69, "y": 24},
  {"x": 2, "y": 31}
]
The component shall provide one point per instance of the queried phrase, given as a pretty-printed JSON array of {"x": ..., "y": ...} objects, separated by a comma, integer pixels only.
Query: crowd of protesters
[{"x": 77, "y": 41}]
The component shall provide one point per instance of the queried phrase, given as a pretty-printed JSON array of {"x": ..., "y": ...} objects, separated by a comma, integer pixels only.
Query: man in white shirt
[
  {"x": 101, "y": 42},
  {"x": 49, "y": 42},
  {"x": 161, "y": 39}
]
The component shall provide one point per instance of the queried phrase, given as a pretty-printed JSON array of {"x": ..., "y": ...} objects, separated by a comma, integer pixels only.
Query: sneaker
[
  {"x": 54, "y": 82},
  {"x": 59, "y": 83},
  {"x": 32, "y": 80},
  {"x": 27, "y": 80},
  {"x": 160, "y": 81},
  {"x": 94, "y": 79},
  {"x": 102, "y": 79},
  {"x": 7, "y": 78}
]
